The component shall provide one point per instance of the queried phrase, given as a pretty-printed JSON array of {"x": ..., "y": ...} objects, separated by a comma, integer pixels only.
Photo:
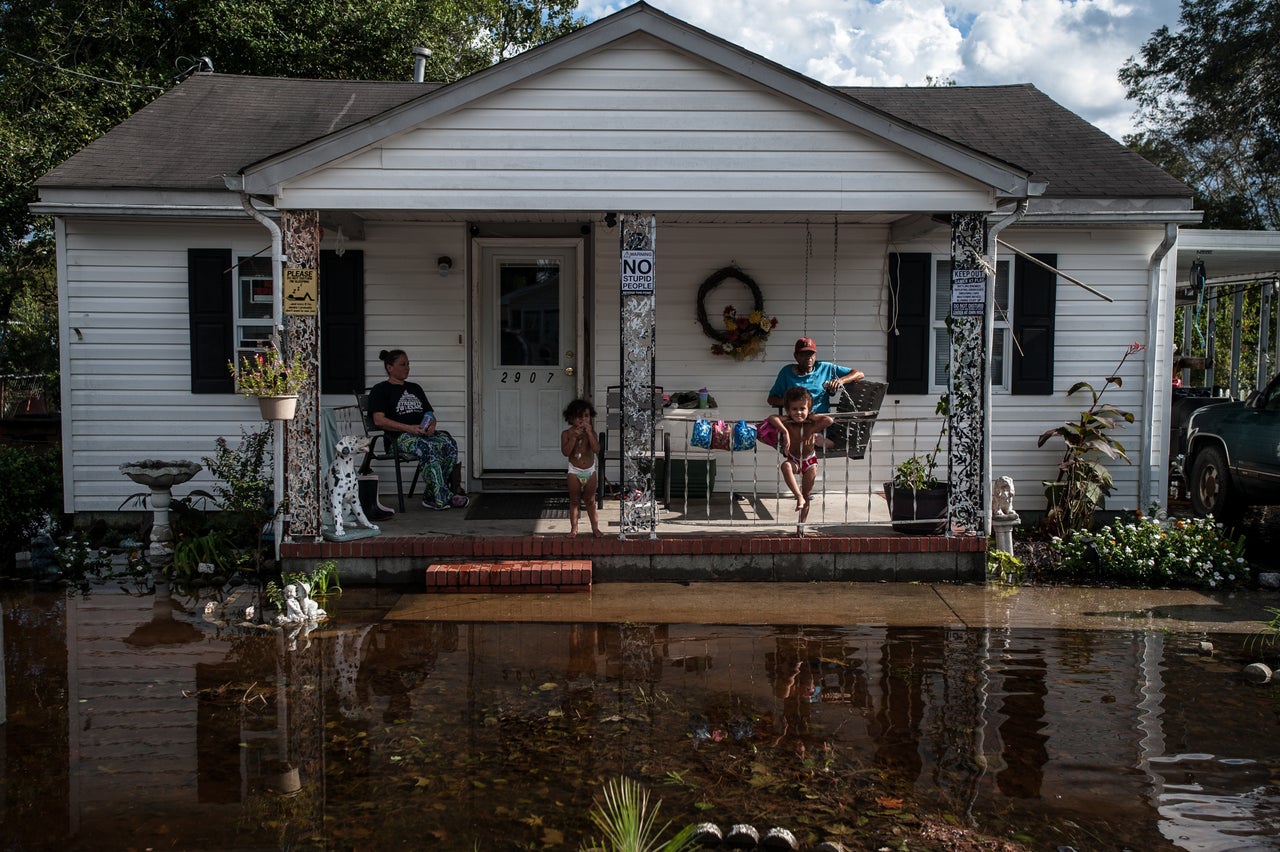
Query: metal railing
[{"x": 713, "y": 487}]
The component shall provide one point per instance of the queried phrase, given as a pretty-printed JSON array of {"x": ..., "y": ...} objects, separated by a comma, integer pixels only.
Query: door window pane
[{"x": 529, "y": 311}]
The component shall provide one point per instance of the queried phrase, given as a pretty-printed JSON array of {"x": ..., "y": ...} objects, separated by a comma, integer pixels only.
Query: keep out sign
[{"x": 637, "y": 272}]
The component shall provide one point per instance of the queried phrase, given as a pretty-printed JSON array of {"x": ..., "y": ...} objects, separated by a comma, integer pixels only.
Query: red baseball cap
[{"x": 806, "y": 344}]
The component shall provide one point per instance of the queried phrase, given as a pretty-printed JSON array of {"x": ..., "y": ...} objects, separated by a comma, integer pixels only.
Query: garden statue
[
  {"x": 299, "y": 606},
  {"x": 344, "y": 491},
  {"x": 1002, "y": 499},
  {"x": 1003, "y": 516}
]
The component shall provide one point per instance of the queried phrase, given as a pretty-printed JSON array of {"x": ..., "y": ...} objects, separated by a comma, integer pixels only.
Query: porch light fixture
[
  {"x": 610, "y": 219},
  {"x": 444, "y": 264}
]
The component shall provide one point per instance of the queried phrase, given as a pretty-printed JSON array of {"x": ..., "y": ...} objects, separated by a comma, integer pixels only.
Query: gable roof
[{"x": 214, "y": 125}]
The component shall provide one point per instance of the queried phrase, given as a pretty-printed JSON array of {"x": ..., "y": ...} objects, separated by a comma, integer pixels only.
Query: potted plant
[
  {"x": 917, "y": 498},
  {"x": 272, "y": 380}
]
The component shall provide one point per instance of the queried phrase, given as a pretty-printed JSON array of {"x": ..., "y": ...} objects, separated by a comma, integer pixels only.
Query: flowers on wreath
[
  {"x": 266, "y": 373},
  {"x": 744, "y": 336}
]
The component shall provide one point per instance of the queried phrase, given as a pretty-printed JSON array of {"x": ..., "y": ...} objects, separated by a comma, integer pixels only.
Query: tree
[
  {"x": 72, "y": 69},
  {"x": 1208, "y": 98}
]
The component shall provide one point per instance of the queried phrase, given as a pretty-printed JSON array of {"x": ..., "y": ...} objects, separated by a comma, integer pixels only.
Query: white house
[{"x": 837, "y": 202}]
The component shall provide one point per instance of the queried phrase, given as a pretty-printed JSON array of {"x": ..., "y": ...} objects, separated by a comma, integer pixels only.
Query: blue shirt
[{"x": 812, "y": 381}]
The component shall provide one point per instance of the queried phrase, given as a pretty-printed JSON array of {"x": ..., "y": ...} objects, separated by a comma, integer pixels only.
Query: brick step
[{"x": 511, "y": 575}]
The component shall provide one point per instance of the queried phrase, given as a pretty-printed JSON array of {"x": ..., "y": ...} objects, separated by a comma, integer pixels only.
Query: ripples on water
[{"x": 498, "y": 736}]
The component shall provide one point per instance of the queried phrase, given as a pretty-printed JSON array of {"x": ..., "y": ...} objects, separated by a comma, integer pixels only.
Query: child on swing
[
  {"x": 581, "y": 447},
  {"x": 796, "y": 438}
]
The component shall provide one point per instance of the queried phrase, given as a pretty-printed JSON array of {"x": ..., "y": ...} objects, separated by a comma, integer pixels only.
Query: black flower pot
[{"x": 922, "y": 512}]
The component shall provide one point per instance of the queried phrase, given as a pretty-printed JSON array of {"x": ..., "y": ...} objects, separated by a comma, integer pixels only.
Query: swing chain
[
  {"x": 808, "y": 253},
  {"x": 835, "y": 278}
]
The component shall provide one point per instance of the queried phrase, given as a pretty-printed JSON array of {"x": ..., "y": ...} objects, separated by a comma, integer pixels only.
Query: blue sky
[{"x": 1069, "y": 49}]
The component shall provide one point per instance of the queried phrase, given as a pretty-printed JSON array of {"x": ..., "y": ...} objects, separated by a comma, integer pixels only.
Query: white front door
[{"x": 529, "y": 351}]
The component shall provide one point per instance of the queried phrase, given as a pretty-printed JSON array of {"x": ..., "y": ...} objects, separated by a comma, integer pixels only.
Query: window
[
  {"x": 1026, "y": 297},
  {"x": 1000, "y": 343},
  {"x": 230, "y": 315},
  {"x": 253, "y": 292}
]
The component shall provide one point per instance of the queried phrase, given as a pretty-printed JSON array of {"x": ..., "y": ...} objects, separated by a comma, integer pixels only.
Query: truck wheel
[{"x": 1212, "y": 492}]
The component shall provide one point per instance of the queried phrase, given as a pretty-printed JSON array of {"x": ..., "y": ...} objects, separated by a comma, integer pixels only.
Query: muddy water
[{"x": 125, "y": 731}]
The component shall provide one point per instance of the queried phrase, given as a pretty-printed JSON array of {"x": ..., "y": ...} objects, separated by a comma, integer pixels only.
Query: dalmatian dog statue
[{"x": 344, "y": 490}]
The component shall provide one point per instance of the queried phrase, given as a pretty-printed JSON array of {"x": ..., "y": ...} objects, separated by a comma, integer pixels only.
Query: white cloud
[{"x": 1069, "y": 49}]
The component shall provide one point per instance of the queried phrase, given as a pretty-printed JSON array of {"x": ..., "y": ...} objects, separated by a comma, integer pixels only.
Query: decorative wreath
[{"x": 741, "y": 336}]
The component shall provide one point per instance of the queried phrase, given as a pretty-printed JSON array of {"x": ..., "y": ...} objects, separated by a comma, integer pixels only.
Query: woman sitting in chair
[{"x": 400, "y": 406}]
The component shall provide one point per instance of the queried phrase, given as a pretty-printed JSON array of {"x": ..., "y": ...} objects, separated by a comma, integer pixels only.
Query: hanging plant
[{"x": 740, "y": 336}]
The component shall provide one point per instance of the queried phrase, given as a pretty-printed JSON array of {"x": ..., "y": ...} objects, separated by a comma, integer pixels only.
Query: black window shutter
[
  {"x": 341, "y": 322},
  {"x": 910, "y": 301},
  {"x": 1035, "y": 293},
  {"x": 209, "y": 300}
]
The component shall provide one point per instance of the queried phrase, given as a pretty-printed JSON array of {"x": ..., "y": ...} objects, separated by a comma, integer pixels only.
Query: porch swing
[{"x": 857, "y": 404}]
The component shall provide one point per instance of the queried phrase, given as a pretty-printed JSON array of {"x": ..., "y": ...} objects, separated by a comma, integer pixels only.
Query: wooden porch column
[
  {"x": 302, "y": 335},
  {"x": 639, "y": 512},
  {"x": 968, "y": 369}
]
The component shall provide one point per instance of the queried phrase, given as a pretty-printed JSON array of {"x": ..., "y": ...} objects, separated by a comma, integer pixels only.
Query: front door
[{"x": 529, "y": 351}]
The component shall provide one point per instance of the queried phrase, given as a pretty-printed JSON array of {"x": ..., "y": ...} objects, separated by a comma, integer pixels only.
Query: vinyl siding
[
  {"x": 636, "y": 126},
  {"x": 126, "y": 388}
]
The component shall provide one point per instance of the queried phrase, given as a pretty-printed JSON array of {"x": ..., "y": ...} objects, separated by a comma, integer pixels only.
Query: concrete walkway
[{"x": 871, "y": 604}]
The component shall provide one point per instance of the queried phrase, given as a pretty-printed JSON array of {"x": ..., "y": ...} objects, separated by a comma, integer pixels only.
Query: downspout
[
  {"x": 1146, "y": 475},
  {"x": 277, "y": 325},
  {"x": 988, "y": 335}
]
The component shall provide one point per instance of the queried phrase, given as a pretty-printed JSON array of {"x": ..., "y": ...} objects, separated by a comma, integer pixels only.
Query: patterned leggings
[{"x": 437, "y": 456}]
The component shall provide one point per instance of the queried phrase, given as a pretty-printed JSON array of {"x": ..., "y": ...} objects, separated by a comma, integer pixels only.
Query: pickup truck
[{"x": 1233, "y": 455}]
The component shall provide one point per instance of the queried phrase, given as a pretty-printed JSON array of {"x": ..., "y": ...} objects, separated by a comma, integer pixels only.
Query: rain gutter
[
  {"x": 988, "y": 337},
  {"x": 277, "y": 326},
  {"x": 1147, "y": 474}
]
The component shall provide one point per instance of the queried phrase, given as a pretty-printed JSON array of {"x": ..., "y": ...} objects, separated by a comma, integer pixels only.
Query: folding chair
[{"x": 383, "y": 446}]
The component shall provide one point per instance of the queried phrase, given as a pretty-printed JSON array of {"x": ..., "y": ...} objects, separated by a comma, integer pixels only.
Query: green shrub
[
  {"x": 243, "y": 490},
  {"x": 33, "y": 492},
  {"x": 1155, "y": 552}
]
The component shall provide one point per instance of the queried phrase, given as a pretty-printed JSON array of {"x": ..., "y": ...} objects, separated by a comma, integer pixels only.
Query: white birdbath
[{"x": 160, "y": 477}]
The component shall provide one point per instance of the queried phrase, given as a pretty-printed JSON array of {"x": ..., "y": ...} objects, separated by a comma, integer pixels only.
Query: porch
[{"x": 720, "y": 516}]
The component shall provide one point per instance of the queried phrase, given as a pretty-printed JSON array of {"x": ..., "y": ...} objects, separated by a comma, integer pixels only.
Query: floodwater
[{"x": 134, "y": 726}]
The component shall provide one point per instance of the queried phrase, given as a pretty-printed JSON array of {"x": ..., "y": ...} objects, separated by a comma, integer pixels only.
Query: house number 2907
[{"x": 530, "y": 377}]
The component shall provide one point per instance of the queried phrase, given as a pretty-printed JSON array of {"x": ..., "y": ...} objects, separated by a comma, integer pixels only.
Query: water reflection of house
[{"x": 1059, "y": 723}]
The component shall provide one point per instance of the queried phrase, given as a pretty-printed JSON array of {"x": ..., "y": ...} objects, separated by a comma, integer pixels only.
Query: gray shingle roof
[
  {"x": 216, "y": 124},
  {"x": 212, "y": 125},
  {"x": 1021, "y": 125}
]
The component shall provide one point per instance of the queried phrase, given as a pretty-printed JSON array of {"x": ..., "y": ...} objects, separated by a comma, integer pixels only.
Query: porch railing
[{"x": 705, "y": 487}]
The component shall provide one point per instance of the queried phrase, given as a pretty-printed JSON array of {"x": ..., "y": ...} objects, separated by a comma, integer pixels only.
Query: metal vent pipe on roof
[{"x": 420, "y": 55}]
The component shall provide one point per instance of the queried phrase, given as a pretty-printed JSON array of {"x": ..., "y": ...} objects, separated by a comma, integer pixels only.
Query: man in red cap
[{"x": 821, "y": 379}]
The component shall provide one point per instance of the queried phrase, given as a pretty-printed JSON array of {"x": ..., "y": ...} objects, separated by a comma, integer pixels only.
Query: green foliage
[
  {"x": 1155, "y": 552},
  {"x": 1219, "y": 302},
  {"x": 29, "y": 341},
  {"x": 1269, "y": 636},
  {"x": 78, "y": 558},
  {"x": 33, "y": 493},
  {"x": 1209, "y": 107},
  {"x": 267, "y": 373},
  {"x": 622, "y": 814},
  {"x": 322, "y": 582},
  {"x": 1004, "y": 567},
  {"x": 244, "y": 487},
  {"x": 213, "y": 548},
  {"x": 1083, "y": 480},
  {"x": 920, "y": 472}
]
